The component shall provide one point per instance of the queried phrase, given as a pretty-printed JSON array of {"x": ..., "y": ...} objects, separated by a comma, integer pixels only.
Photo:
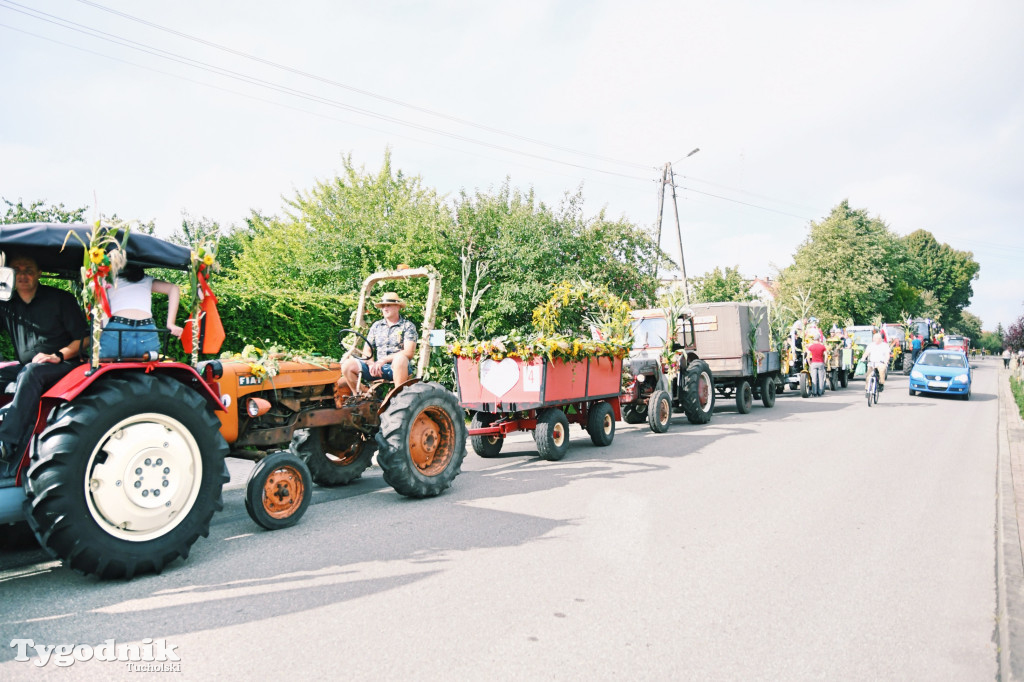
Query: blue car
[{"x": 942, "y": 371}]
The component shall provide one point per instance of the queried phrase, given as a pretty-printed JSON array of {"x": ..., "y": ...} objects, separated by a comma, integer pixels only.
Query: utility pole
[
  {"x": 667, "y": 175},
  {"x": 679, "y": 234}
]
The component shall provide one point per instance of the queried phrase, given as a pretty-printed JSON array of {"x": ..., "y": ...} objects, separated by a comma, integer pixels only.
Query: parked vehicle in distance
[
  {"x": 896, "y": 334},
  {"x": 944, "y": 372}
]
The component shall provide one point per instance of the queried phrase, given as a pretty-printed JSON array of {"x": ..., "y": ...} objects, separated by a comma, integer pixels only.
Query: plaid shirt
[{"x": 389, "y": 339}]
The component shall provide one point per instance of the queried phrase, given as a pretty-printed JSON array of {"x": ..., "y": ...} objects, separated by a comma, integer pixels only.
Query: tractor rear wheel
[
  {"x": 278, "y": 491},
  {"x": 334, "y": 456},
  {"x": 698, "y": 397},
  {"x": 127, "y": 476},
  {"x": 485, "y": 446},
  {"x": 422, "y": 440}
]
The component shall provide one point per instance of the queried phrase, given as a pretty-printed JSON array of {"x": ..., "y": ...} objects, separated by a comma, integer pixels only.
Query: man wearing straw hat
[{"x": 394, "y": 340}]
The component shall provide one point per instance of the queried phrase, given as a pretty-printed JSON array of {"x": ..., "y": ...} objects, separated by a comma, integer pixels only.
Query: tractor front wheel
[
  {"x": 334, "y": 456},
  {"x": 278, "y": 491},
  {"x": 635, "y": 414},
  {"x": 422, "y": 440},
  {"x": 127, "y": 476}
]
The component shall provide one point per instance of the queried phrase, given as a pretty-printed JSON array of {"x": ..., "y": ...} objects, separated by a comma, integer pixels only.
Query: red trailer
[{"x": 539, "y": 395}]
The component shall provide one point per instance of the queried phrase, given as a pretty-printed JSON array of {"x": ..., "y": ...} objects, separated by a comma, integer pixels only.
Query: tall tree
[
  {"x": 854, "y": 267},
  {"x": 947, "y": 273}
]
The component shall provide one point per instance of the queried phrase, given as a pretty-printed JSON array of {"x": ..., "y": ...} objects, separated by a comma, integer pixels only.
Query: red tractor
[{"x": 125, "y": 465}]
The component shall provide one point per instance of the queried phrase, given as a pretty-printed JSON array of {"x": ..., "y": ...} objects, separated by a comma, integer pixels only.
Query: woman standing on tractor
[{"x": 131, "y": 330}]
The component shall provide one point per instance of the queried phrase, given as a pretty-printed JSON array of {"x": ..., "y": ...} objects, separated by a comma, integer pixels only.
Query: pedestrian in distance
[
  {"x": 47, "y": 328},
  {"x": 131, "y": 331},
  {"x": 915, "y": 346},
  {"x": 1006, "y": 358},
  {"x": 816, "y": 349}
]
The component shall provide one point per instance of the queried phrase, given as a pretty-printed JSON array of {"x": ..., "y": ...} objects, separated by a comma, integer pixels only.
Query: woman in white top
[{"x": 131, "y": 330}]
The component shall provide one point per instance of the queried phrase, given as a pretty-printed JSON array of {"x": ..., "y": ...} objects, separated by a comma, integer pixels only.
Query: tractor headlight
[{"x": 640, "y": 378}]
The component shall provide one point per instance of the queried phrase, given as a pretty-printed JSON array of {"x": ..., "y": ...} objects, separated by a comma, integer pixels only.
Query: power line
[
  {"x": 745, "y": 203},
  {"x": 361, "y": 91},
  {"x": 251, "y": 80}
]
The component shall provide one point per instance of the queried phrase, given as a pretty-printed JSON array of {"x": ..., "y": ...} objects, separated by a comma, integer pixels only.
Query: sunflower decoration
[
  {"x": 578, "y": 321},
  {"x": 103, "y": 257}
]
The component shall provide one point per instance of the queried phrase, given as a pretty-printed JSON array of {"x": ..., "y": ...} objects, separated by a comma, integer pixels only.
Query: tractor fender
[
  {"x": 395, "y": 391},
  {"x": 82, "y": 377}
]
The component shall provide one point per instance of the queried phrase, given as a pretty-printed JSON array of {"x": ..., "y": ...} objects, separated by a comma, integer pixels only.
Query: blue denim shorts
[
  {"x": 386, "y": 373},
  {"x": 135, "y": 340}
]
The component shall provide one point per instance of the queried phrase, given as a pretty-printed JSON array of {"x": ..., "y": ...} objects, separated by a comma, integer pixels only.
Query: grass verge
[{"x": 1017, "y": 386}]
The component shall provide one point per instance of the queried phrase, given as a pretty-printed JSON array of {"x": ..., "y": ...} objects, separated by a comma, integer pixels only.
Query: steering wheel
[{"x": 353, "y": 349}]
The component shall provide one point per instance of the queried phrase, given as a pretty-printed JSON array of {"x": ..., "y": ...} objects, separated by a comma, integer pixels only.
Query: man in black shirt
[{"x": 47, "y": 327}]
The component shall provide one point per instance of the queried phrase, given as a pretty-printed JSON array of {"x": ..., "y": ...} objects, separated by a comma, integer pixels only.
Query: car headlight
[
  {"x": 960, "y": 378},
  {"x": 917, "y": 375}
]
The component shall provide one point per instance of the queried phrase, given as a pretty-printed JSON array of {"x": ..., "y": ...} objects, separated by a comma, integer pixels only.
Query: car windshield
[
  {"x": 940, "y": 359},
  {"x": 862, "y": 337},
  {"x": 649, "y": 332}
]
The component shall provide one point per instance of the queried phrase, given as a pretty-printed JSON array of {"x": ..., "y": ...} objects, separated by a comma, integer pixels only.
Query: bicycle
[{"x": 872, "y": 390}]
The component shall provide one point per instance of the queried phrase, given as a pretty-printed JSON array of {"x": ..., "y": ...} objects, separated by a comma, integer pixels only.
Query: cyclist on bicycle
[{"x": 876, "y": 356}]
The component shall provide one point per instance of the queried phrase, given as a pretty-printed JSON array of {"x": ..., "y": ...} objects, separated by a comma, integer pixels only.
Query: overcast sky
[{"x": 913, "y": 111}]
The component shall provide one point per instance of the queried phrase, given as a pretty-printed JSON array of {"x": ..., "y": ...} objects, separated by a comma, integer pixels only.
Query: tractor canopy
[{"x": 62, "y": 255}]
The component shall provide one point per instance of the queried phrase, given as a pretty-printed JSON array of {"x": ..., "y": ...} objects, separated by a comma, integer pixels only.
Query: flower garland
[
  {"x": 578, "y": 321},
  {"x": 266, "y": 363},
  {"x": 103, "y": 257}
]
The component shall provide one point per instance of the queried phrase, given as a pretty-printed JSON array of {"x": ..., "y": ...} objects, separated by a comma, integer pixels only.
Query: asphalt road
[{"x": 820, "y": 539}]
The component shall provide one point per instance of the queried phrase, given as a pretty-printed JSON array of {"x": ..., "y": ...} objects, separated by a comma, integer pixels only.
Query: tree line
[{"x": 293, "y": 279}]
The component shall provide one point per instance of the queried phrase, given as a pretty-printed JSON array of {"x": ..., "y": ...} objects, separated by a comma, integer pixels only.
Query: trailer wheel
[
  {"x": 767, "y": 390},
  {"x": 698, "y": 397},
  {"x": 278, "y": 491},
  {"x": 780, "y": 387},
  {"x": 552, "y": 434},
  {"x": 659, "y": 412},
  {"x": 485, "y": 446},
  {"x": 422, "y": 440},
  {"x": 634, "y": 414},
  {"x": 744, "y": 396},
  {"x": 334, "y": 456},
  {"x": 833, "y": 379},
  {"x": 844, "y": 377},
  {"x": 601, "y": 424},
  {"x": 127, "y": 476},
  {"x": 805, "y": 386}
]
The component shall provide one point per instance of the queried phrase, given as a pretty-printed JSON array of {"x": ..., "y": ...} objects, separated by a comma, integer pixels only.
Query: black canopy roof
[{"x": 43, "y": 241}]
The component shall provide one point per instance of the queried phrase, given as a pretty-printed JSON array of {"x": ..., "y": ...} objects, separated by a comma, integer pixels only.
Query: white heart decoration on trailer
[{"x": 499, "y": 377}]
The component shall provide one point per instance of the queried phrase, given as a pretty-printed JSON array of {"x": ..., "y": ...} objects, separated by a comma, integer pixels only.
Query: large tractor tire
[
  {"x": 127, "y": 476},
  {"x": 485, "y": 446},
  {"x": 698, "y": 398},
  {"x": 422, "y": 440},
  {"x": 334, "y": 456}
]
